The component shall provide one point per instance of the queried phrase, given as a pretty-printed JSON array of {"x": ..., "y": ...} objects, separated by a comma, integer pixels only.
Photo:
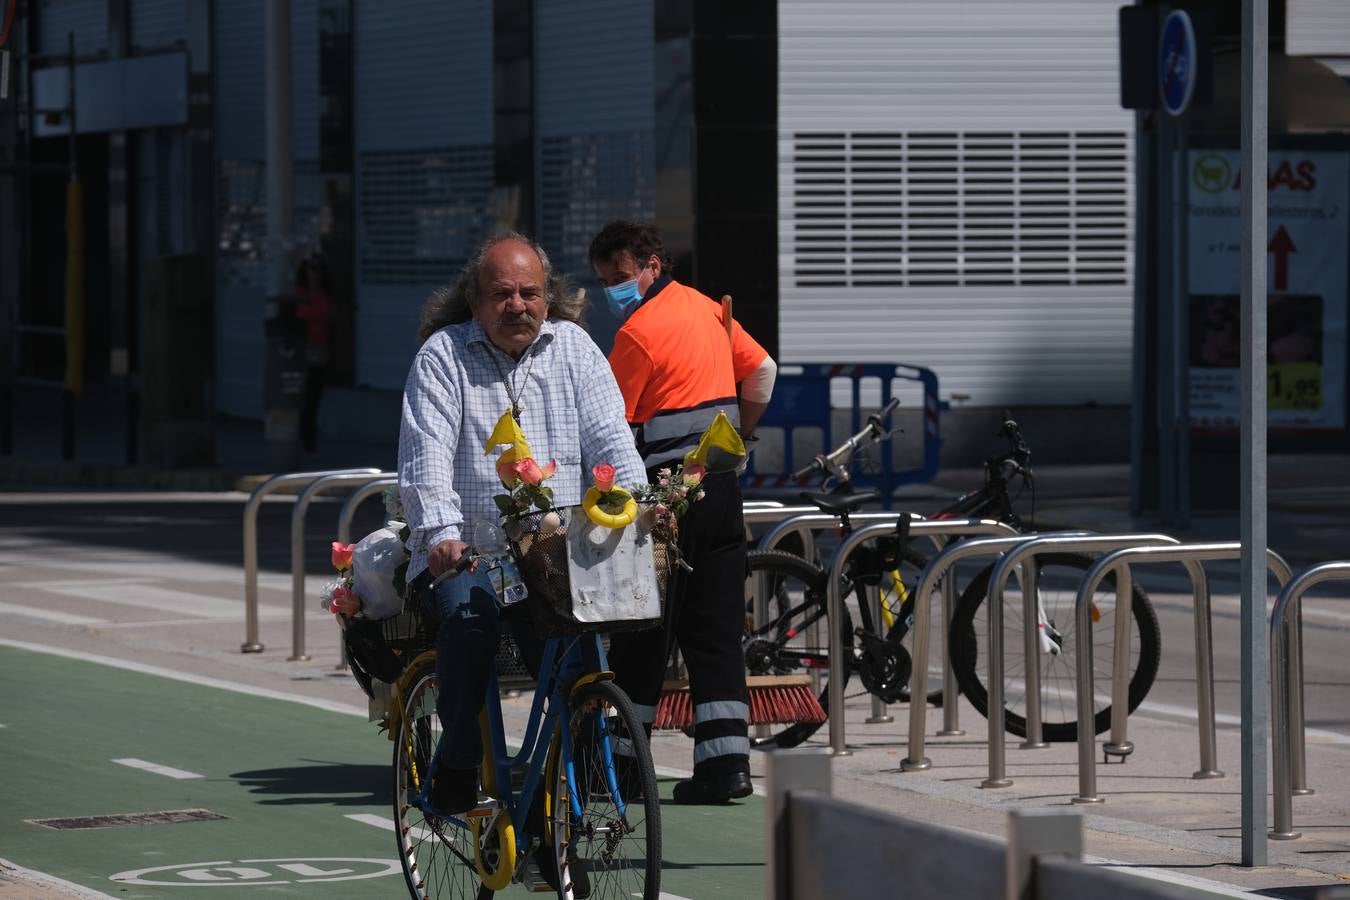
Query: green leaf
[
  {"x": 546, "y": 492},
  {"x": 505, "y": 502}
]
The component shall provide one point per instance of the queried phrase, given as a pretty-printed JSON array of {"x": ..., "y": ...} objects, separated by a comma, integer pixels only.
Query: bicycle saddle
[{"x": 841, "y": 504}]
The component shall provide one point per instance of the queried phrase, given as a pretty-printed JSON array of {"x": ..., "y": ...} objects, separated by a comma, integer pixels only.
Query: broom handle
[{"x": 726, "y": 317}]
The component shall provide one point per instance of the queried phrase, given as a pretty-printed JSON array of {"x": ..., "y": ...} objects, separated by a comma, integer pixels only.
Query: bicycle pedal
[{"x": 486, "y": 806}]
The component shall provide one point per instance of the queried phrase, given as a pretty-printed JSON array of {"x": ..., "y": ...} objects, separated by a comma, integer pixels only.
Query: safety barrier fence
[
  {"x": 816, "y": 848},
  {"x": 1288, "y": 765},
  {"x": 1121, "y": 562},
  {"x": 270, "y": 486}
]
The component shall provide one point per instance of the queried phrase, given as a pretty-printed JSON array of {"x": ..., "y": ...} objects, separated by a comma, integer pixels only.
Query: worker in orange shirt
[{"x": 677, "y": 368}]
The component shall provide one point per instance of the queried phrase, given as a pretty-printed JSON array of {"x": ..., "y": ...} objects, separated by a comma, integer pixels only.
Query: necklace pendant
[{"x": 516, "y": 410}]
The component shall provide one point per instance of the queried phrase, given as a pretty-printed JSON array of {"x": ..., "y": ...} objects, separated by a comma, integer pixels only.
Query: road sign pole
[{"x": 1255, "y": 699}]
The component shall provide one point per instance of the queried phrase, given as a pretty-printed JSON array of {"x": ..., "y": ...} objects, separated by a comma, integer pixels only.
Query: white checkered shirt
[{"x": 572, "y": 412}]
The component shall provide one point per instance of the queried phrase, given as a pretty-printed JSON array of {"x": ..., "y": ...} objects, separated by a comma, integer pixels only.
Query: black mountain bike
[{"x": 794, "y": 640}]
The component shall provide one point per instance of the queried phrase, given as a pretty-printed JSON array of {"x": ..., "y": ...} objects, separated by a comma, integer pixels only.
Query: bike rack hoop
[
  {"x": 1121, "y": 561},
  {"x": 834, "y": 600},
  {"x": 271, "y": 485},
  {"x": 1286, "y": 690},
  {"x": 1027, "y": 552},
  {"x": 937, "y": 570}
]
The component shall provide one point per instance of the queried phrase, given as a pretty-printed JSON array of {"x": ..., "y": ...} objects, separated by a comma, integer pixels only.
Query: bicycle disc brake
[{"x": 884, "y": 667}]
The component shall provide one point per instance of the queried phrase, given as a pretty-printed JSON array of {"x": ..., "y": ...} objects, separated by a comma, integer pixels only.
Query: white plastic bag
[{"x": 375, "y": 558}]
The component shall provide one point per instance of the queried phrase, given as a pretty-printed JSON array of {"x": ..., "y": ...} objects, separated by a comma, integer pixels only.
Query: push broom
[{"x": 774, "y": 699}]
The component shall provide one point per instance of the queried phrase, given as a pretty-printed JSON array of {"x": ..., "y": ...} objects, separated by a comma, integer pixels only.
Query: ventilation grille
[
  {"x": 241, "y": 215},
  {"x": 423, "y": 212},
  {"x": 961, "y": 209},
  {"x": 585, "y": 182}
]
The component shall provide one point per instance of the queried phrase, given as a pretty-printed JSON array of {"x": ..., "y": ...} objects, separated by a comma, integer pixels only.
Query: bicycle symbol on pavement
[{"x": 285, "y": 870}]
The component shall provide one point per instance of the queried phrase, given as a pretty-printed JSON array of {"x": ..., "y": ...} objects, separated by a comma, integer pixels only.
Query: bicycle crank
[{"x": 884, "y": 667}]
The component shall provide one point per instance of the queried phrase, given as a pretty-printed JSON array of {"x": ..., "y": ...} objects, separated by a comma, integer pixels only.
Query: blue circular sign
[{"x": 1176, "y": 62}]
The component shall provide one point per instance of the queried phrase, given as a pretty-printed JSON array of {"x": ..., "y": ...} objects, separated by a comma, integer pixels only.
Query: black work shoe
[
  {"x": 720, "y": 789},
  {"x": 576, "y": 870},
  {"x": 453, "y": 792}
]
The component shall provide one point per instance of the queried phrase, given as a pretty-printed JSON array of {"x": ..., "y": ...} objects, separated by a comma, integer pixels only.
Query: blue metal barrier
[{"x": 802, "y": 400}]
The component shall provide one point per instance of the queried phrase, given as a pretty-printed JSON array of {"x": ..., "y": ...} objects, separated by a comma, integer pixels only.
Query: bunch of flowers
[
  {"x": 339, "y": 597},
  {"x": 676, "y": 487},
  {"x": 524, "y": 480}
]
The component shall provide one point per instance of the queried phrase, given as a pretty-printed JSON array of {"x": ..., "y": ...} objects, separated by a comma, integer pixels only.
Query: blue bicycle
[{"x": 579, "y": 796}]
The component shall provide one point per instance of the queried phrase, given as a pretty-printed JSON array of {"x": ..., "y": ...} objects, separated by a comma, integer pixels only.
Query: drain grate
[{"x": 120, "y": 820}]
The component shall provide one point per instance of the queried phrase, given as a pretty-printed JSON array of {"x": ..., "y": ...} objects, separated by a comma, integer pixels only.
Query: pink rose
[
  {"x": 529, "y": 471},
  {"x": 604, "y": 477},
  {"x": 506, "y": 471},
  {"x": 660, "y": 509},
  {"x": 342, "y": 555},
  {"x": 345, "y": 601},
  {"x": 693, "y": 473}
]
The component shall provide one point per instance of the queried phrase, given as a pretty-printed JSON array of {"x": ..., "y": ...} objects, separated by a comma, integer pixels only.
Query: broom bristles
[{"x": 774, "y": 700}]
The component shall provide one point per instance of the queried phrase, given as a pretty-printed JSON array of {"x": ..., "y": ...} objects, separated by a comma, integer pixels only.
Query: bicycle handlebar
[{"x": 835, "y": 463}]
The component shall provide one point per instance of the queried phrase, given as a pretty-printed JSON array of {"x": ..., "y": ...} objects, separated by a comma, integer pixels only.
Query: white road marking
[
  {"x": 420, "y": 834},
  {"x": 1167, "y": 710},
  {"x": 167, "y": 771},
  {"x": 146, "y": 596},
  {"x": 350, "y": 709},
  {"x": 47, "y": 615}
]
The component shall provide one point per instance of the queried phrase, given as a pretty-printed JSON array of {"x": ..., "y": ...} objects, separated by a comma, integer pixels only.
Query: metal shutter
[
  {"x": 88, "y": 19},
  {"x": 157, "y": 23},
  {"x": 595, "y": 156},
  {"x": 1317, "y": 27},
  {"x": 957, "y": 193},
  {"x": 424, "y": 166},
  {"x": 241, "y": 201}
]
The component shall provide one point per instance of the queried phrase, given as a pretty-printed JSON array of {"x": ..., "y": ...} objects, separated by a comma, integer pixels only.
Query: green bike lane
[{"x": 299, "y": 797}]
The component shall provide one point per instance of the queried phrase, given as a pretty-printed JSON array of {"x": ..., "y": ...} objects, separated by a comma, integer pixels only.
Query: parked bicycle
[
  {"x": 795, "y": 639},
  {"x": 562, "y": 790}
]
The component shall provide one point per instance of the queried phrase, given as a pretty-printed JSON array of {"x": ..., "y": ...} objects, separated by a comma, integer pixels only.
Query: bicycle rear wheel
[
  {"x": 1060, "y": 574},
  {"x": 437, "y": 854},
  {"x": 604, "y": 803},
  {"x": 794, "y": 640}
]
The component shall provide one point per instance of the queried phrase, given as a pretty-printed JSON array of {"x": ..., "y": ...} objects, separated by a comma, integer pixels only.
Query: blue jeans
[{"x": 464, "y": 612}]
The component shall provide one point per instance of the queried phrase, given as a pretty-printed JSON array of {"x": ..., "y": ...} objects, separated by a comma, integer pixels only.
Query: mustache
[{"x": 519, "y": 319}]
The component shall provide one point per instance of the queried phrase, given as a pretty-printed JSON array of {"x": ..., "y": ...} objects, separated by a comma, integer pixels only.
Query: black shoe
[
  {"x": 453, "y": 792},
  {"x": 720, "y": 789},
  {"x": 576, "y": 869}
]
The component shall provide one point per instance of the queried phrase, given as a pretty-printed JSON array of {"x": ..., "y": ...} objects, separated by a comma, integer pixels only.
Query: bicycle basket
[{"x": 619, "y": 574}]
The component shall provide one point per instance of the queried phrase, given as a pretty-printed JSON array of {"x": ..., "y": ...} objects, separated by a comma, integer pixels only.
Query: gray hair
[{"x": 451, "y": 304}]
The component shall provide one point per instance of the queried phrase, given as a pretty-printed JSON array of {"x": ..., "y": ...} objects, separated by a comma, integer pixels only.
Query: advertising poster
[{"x": 1307, "y": 271}]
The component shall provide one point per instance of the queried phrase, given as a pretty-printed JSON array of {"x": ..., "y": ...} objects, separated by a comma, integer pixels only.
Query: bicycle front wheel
[
  {"x": 604, "y": 809},
  {"x": 1060, "y": 574},
  {"x": 794, "y": 639},
  {"x": 437, "y": 854}
]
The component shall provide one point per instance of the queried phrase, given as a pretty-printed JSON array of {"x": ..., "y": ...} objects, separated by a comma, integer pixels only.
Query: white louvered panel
[
  {"x": 956, "y": 192},
  {"x": 1318, "y": 28},
  {"x": 88, "y": 19},
  {"x": 424, "y": 166},
  {"x": 581, "y": 48},
  {"x": 939, "y": 64},
  {"x": 423, "y": 74},
  {"x": 157, "y": 23}
]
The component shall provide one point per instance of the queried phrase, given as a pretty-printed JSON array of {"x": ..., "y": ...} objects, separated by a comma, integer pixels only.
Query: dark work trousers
[
  {"x": 464, "y": 612},
  {"x": 706, "y": 618}
]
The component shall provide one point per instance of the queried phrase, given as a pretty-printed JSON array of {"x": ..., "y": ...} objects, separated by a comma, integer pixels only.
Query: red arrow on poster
[{"x": 1282, "y": 245}]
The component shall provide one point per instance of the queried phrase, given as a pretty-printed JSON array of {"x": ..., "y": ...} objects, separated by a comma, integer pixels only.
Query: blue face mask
[{"x": 623, "y": 298}]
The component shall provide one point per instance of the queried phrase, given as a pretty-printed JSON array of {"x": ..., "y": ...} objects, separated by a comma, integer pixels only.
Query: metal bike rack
[
  {"x": 805, "y": 526},
  {"x": 1122, "y": 562},
  {"x": 1288, "y": 765},
  {"x": 834, "y": 602},
  {"x": 1027, "y": 552},
  {"x": 312, "y": 490},
  {"x": 938, "y": 567},
  {"x": 761, "y": 504},
  {"x": 276, "y": 482}
]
